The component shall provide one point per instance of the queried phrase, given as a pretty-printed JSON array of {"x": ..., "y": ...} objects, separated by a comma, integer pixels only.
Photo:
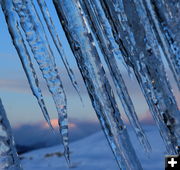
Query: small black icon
[{"x": 172, "y": 162}]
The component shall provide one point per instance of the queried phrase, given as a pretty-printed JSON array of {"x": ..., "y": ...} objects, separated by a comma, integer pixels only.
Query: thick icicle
[
  {"x": 24, "y": 56},
  {"x": 57, "y": 42},
  {"x": 8, "y": 155},
  {"x": 99, "y": 25},
  {"x": 39, "y": 45},
  {"x": 166, "y": 21},
  {"x": 100, "y": 92},
  {"x": 128, "y": 19}
]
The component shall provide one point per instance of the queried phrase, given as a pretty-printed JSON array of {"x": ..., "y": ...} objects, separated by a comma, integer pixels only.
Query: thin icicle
[
  {"x": 39, "y": 45},
  {"x": 143, "y": 54},
  {"x": 99, "y": 25},
  {"x": 8, "y": 156},
  {"x": 57, "y": 42},
  {"x": 166, "y": 27},
  {"x": 24, "y": 56},
  {"x": 100, "y": 92}
]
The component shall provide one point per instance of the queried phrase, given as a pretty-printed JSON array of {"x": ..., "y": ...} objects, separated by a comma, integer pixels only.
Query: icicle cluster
[
  {"x": 139, "y": 32},
  {"x": 103, "y": 33},
  {"x": 82, "y": 44},
  {"x": 24, "y": 56},
  {"x": 142, "y": 53},
  {"x": 38, "y": 42},
  {"x": 8, "y": 156}
]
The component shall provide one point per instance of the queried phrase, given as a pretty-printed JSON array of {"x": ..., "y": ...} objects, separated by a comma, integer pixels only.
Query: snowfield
[{"x": 93, "y": 153}]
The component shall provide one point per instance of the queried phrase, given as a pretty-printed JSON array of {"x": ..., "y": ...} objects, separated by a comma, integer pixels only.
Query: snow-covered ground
[{"x": 93, "y": 153}]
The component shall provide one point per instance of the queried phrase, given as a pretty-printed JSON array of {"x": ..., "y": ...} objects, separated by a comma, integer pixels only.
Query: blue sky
[{"x": 21, "y": 105}]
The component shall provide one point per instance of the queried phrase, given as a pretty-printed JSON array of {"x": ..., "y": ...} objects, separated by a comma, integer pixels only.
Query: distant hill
[{"x": 93, "y": 153}]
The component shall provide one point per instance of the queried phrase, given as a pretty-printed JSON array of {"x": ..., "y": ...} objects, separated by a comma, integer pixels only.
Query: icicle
[
  {"x": 24, "y": 56},
  {"x": 38, "y": 43},
  {"x": 100, "y": 27},
  {"x": 8, "y": 155},
  {"x": 100, "y": 92},
  {"x": 145, "y": 59},
  {"x": 167, "y": 30},
  {"x": 55, "y": 37}
]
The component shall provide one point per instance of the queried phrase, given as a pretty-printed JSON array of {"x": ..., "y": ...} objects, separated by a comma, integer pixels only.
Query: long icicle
[
  {"x": 36, "y": 39},
  {"x": 100, "y": 92},
  {"x": 99, "y": 25},
  {"x": 166, "y": 28},
  {"x": 144, "y": 57},
  {"x": 8, "y": 154},
  {"x": 13, "y": 26},
  {"x": 57, "y": 42}
]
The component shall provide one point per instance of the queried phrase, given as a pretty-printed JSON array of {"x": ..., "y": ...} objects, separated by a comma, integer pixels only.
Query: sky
[{"x": 22, "y": 107}]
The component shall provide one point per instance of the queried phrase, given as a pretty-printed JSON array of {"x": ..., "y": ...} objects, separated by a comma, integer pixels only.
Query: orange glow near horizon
[{"x": 55, "y": 124}]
